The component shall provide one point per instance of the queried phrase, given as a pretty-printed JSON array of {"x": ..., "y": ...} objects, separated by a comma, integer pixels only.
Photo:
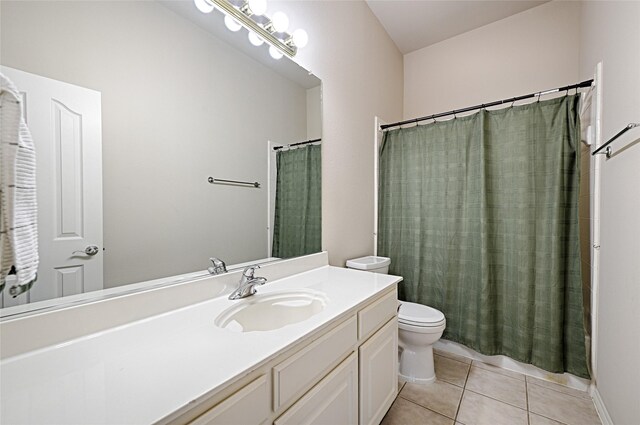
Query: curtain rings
[{"x": 513, "y": 101}]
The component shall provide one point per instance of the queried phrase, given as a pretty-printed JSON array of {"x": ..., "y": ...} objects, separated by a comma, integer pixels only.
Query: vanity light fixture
[
  {"x": 275, "y": 53},
  {"x": 255, "y": 39},
  {"x": 280, "y": 21},
  {"x": 251, "y": 15},
  {"x": 232, "y": 24},
  {"x": 258, "y": 7},
  {"x": 300, "y": 38},
  {"x": 204, "y": 6}
]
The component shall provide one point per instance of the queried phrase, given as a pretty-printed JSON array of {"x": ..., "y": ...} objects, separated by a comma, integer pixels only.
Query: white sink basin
[{"x": 266, "y": 312}]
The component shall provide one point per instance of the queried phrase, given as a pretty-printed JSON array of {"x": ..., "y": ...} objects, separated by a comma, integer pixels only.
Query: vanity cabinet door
[
  {"x": 334, "y": 400},
  {"x": 378, "y": 373},
  {"x": 249, "y": 406}
]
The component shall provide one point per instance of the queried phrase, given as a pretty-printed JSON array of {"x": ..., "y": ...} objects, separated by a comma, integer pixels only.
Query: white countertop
[{"x": 143, "y": 371}]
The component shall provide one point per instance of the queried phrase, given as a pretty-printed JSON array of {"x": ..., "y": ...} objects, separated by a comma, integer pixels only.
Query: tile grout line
[
  {"x": 458, "y": 361},
  {"x": 464, "y": 388},
  {"x": 551, "y": 419},
  {"x": 526, "y": 393},
  {"x": 527, "y": 381},
  {"x": 519, "y": 373},
  {"x": 448, "y": 383},
  {"x": 426, "y": 408},
  {"x": 544, "y": 415},
  {"x": 503, "y": 374},
  {"x": 498, "y": 400},
  {"x": 455, "y": 360},
  {"x": 561, "y": 392}
]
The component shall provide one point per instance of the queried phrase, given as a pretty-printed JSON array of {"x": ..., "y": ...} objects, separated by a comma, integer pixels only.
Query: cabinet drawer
[
  {"x": 248, "y": 406},
  {"x": 372, "y": 317},
  {"x": 333, "y": 401},
  {"x": 302, "y": 370}
]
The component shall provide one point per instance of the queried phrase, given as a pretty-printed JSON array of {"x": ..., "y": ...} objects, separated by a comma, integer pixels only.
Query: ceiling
[{"x": 414, "y": 24}]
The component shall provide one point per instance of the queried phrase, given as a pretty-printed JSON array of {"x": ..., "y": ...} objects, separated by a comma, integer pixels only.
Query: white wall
[
  {"x": 314, "y": 113},
  {"x": 176, "y": 108},
  {"x": 610, "y": 32},
  {"x": 361, "y": 72},
  {"x": 525, "y": 53}
]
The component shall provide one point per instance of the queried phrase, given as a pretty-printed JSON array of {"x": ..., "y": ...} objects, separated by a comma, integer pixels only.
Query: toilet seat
[{"x": 419, "y": 315}]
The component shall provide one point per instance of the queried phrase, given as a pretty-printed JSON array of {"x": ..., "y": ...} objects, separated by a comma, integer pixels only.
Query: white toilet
[{"x": 419, "y": 327}]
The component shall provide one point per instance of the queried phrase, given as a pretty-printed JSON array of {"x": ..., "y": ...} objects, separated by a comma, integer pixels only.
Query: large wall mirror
[{"x": 135, "y": 107}]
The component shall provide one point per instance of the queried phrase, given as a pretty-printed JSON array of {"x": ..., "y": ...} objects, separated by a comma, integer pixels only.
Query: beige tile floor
[{"x": 469, "y": 392}]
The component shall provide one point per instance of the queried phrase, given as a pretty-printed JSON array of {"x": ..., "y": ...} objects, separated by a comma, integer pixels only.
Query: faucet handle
[
  {"x": 249, "y": 271},
  {"x": 218, "y": 266}
]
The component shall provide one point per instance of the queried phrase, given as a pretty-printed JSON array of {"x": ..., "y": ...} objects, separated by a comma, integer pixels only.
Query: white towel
[{"x": 18, "y": 209}]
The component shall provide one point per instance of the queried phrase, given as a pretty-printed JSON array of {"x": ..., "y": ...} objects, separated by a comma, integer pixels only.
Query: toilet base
[
  {"x": 417, "y": 365},
  {"x": 417, "y": 381}
]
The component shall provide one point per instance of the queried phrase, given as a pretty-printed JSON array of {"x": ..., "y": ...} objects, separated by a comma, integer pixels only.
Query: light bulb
[
  {"x": 258, "y": 7},
  {"x": 204, "y": 6},
  {"x": 231, "y": 23},
  {"x": 300, "y": 38},
  {"x": 275, "y": 53},
  {"x": 255, "y": 39},
  {"x": 280, "y": 21}
]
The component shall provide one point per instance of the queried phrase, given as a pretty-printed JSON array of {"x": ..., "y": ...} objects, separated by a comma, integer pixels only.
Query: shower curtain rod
[
  {"x": 583, "y": 84},
  {"x": 297, "y": 144}
]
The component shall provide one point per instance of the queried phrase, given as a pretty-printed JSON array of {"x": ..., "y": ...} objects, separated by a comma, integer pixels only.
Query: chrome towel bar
[
  {"x": 232, "y": 182},
  {"x": 606, "y": 145}
]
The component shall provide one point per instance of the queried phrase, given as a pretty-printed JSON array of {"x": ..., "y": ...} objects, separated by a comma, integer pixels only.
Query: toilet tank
[{"x": 370, "y": 264}]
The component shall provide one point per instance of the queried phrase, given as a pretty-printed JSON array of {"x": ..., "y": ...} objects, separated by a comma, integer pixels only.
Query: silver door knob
[{"x": 91, "y": 250}]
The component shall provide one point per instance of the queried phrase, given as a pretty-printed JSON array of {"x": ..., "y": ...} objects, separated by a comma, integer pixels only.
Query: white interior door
[{"x": 65, "y": 122}]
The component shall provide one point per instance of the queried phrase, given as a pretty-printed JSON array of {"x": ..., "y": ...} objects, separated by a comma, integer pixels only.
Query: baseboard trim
[{"x": 600, "y": 406}]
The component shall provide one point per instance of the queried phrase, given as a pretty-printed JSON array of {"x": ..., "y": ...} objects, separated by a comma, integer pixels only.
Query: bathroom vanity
[{"x": 327, "y": 354}]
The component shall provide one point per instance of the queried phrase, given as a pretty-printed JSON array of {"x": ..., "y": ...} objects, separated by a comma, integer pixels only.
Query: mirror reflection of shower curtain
[{"x": 297, "y": 221}]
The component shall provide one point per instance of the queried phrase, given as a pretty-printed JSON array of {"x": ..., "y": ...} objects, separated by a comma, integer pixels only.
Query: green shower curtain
[
  {"x": 480, "y": 216},
  {"x": 297, "y": 220}
]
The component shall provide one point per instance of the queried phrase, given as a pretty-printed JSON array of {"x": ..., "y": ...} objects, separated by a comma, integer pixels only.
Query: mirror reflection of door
[{"x": 65, "y": 123}]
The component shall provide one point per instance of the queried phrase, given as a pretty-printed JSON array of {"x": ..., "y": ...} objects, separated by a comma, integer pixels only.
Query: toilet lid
[{"x": 418, "y": 314}]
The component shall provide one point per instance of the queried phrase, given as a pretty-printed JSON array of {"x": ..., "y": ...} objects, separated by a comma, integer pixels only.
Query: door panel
[
  {"x": 70, "y": 280},
  {"x": 67, "y": 135}
]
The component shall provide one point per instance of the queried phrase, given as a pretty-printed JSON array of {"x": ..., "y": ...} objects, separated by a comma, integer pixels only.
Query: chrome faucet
[
  {"x": 248, "y": 283},
  {"x": 218, "y": 266}
]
